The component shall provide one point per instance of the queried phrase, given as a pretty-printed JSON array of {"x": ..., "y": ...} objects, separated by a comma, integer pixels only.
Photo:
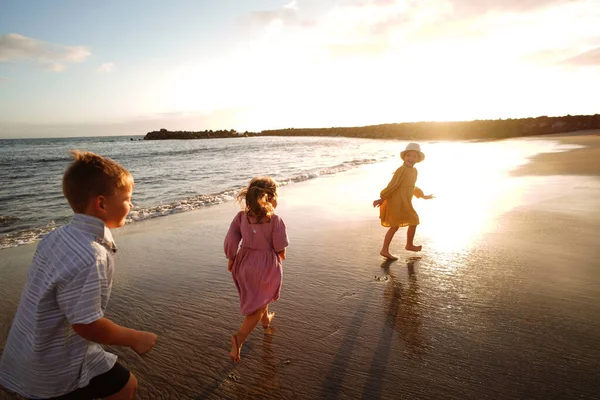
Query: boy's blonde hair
[
  {"x": 257, "y": 196},
  {"x": 91, "y": 175}
]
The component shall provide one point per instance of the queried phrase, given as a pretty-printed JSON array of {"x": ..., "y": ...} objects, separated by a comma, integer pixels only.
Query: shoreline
[{"x": 573, "y": 162}]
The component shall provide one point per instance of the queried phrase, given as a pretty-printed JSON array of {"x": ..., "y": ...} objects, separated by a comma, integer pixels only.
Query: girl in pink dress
[{"x": 256, "y": 265}]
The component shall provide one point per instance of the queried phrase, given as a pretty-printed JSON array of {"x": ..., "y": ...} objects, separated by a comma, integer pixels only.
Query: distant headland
[{"x": 463, "y": 130}]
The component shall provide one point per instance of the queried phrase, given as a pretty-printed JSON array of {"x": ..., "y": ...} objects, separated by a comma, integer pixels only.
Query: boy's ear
[{"x": 99, "y": 203}]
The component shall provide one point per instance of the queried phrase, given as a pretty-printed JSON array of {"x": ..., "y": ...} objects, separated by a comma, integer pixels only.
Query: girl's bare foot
[
  {"x": 235, "y": 350},
  {"x": 413, "y": 248},
  {"x": 266, "y": 319},
  {"x": 387, "y": 255}
]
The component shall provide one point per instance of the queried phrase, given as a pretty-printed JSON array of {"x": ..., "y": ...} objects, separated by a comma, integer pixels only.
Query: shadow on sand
[{"x": 402, "y": 316}]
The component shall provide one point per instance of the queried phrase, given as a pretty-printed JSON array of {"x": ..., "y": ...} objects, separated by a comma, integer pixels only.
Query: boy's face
[
  {"x": 411, "y": 158},
  {"x": 117, "y": 206}
]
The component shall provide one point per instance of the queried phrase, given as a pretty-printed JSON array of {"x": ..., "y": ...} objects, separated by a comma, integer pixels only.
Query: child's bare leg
[
  {"x": 385, "y": 250},
  {"x": 128, "y": 392},
  {"x": 267, "y": 317},
  {"x": 247, "y": 327},
  {"x": 410, "y": 237}
]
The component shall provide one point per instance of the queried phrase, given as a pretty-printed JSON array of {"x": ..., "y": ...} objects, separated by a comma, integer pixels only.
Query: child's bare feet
[
  {"x": 387, "y": 255},
  {"x": 235, "y": 350},
  {"x": 413, "y": 248},
  {"x": 266, "y": 319}
]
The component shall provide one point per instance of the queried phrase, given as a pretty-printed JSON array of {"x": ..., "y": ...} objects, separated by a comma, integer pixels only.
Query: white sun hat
[{"x": 413, "y": 147}]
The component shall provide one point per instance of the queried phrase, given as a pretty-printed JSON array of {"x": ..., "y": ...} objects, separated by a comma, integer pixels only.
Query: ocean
[{"x": 171, "y": 176}]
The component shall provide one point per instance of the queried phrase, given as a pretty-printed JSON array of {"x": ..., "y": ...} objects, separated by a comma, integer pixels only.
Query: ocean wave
[
  {"x": 7, "y": 220},
  {"x": 30, "y": 235},
  {"x": 26, "y": 236}
]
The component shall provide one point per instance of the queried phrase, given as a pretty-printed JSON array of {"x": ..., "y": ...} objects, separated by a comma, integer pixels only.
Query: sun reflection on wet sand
[{"x": 473, "y": 188}]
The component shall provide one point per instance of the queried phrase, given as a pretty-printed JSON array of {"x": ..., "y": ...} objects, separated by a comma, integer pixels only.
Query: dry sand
[{"x": 512, "y": 314}]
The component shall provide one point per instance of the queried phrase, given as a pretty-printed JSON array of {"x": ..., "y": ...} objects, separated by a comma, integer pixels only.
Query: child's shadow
[
  {"x": 268, "y": 374},
  {"x": 402, "y": 316},
  {"x": 404, "y": 308}
]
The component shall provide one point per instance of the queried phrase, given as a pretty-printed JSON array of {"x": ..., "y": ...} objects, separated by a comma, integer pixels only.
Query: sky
[{"x": 78, "y": 68}]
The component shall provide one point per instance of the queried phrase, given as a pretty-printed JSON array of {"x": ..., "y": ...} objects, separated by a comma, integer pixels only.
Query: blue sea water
[{"x": 170, "y": 175}]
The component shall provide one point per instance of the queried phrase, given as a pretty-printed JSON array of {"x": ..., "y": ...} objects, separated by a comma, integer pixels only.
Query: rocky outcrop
[
  {"x": 164, "y": 134},
  {"x": 478, "y": 129},
  {"x": 465, "y": 130}
]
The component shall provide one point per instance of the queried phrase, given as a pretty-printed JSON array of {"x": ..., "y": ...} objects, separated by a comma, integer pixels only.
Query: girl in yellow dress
[{"x": 395, "y": 204}]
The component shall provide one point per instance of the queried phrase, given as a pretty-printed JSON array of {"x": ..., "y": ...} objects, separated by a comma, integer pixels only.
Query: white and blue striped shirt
[{"x": 68, "y": 282}]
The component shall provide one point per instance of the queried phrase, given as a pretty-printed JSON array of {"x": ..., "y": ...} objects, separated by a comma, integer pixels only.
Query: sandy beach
[{"x": 502, "y": 303}]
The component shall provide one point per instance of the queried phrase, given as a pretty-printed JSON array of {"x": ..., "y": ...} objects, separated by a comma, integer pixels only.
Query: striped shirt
[{"x": 68, "y": 283}]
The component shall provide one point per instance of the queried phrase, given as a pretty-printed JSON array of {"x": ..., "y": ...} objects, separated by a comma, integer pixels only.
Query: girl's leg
[
  {"x": 247, "y": 327},
  {"x": 410, "y": 237},
  {"x": 267, "y": 317},
  {"x": 385, "y": 250}
]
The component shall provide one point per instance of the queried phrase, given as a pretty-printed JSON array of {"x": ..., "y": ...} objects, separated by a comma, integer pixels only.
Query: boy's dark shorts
[{"x": 100, "y": 386}]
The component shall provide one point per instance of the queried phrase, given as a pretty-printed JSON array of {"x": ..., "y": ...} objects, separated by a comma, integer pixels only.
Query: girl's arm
[
  {"x": 393, "y": 185},
  {"x": 420, "y": 195},
  {"x": 232, "y": 239},
  {"x": 281, "y": 254},
  {"x": 280, "y": 239}
]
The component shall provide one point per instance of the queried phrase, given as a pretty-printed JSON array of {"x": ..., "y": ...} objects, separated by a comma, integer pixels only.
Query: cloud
[
  {"x": 267, "y": 19},
  {"x": 15, "y": 47},
  {"x": 3, "y": 79},
  {"x": 291, "y": 6},
  {"x": 470, "y": 7},
  {"x": 586, "y": 59},
  {"x": 106, "y": 68}
]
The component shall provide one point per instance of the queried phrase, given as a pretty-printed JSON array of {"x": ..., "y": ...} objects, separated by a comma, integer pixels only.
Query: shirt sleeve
[
  {"x": 393, "y": 185},
  {"x": 419, "y": 193},
  {"x": 280, "y": 239},
  {"x": 233, "y": 237},
  {"x": 84, "y": 298}
]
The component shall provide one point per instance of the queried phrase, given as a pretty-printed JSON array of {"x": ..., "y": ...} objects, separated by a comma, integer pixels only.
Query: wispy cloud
[
  {"x": 588, "y": 58},
  {"x": 288, "y": 14},
  {"x": 106, "y": 68},
  {"x": 54, "y": 57},
  {"x": 291, "y": 6},
  {"x": 3, "y": 78},
  {"x": 470, "y": 7}
]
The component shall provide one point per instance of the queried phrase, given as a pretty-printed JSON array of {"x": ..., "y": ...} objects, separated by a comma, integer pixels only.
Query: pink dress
[{"x": 256, "y": 271}]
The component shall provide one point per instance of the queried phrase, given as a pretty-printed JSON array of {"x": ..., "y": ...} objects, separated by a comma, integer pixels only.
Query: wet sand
[{"x": 514, "y": 313}]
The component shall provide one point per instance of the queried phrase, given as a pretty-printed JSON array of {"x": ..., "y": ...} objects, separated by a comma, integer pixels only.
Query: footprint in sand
[{"x": 346, "y": 295}]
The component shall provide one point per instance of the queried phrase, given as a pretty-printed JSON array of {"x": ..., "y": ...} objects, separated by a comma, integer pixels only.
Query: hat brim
[{"x": 420, "y": 153}]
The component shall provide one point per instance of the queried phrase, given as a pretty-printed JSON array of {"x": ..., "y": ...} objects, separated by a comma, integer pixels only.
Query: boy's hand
[
  {"x": 144, "y": 342},
  {"x": 377, "y": 202},
  {"x": 229, "y": 265}
]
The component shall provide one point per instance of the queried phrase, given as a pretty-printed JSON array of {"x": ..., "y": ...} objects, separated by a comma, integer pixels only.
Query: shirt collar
[{"x": 97, "y": 228}]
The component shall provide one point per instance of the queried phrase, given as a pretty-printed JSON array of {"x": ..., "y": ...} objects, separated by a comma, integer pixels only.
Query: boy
[{"x": 53, "y": 348}]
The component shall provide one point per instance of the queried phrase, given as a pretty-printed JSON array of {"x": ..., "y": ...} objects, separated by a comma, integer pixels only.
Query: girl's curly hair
[{"x": 255, "y": 199}]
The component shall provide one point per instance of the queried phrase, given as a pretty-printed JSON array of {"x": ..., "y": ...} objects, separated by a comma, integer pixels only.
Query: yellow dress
[{"x": 397, "y": 209}]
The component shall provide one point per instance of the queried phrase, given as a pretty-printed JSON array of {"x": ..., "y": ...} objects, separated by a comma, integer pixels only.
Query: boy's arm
[{"x": 104, "y": 331}]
